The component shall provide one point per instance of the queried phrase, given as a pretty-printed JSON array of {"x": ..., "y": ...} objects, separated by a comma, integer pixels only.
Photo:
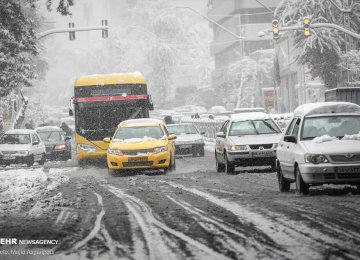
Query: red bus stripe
[{"x": 109, "y": 98}]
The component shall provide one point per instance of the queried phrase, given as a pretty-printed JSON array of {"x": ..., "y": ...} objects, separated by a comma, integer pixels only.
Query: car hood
[
  {"x": 332, "y": 147},
  {"x": 256, "y": 139},
  {"x": 48, "y": 143},
  {"x": 14, "y": 147},
  {"x": 137, "y": 145},
  {"x": 187, "y": 138}
]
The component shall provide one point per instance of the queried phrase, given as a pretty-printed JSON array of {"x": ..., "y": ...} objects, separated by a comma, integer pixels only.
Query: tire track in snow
[
  {"x": 222, "y": 232},
  {"x": 298, "y": 240},
  {"x": 100, "y": 233},
  {"x": 156, "y": 233}
]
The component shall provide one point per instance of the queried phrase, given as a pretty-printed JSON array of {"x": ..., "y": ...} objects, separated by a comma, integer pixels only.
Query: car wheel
[
  {"x": 229, "y": 167},
  {"x": 30, "y": 162},
  {"x": 273, "y": 166},
  {"x": 219, "y": 166},
  {"x": 112, "y": 172},
  {"x": 284, "y": 184},
  {"x": 202, "y": 152},
  {"x": 194, "y": 153},
  {"x": 172, "y": 165},
  {"x": 301, "y": 186},
  {"x": 42, "y": 160}
]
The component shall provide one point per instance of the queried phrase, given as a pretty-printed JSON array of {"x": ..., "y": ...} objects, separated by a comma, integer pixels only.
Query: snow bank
[
  {"x": 21, "y": 186},
  {"x": 324, "y": 138},
  {"x": 352, "y": 137}
]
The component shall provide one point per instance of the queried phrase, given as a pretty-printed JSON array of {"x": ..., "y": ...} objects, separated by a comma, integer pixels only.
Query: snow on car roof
[
  {"x": 142, "y": 121},
  {"x": 249, "y": 116},
  {"x": 21, "y": 131},
  {"x": 326, "y": 108},
  {"x": 47, "y": 128}
]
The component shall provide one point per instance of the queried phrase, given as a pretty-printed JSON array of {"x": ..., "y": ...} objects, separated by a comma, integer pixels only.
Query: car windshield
[
  {"x": 50, "y": 136},
  {"x": 330, "y": 125},
  {"x": 181, "y": 129},
  {"x": 141, "y": 132},
  {"x": 254, "y": 127},
  {"x": 15, "y": 139}
]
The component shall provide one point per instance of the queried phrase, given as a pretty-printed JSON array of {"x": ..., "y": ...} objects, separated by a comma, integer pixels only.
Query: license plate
[
  {"x": 138, "y": 159},
  {"x": 8, "y": 157},
  {"x": 184, "y": 146},
  {"x": 347, "y": 169},
  {"x": 263, "y": 154}
]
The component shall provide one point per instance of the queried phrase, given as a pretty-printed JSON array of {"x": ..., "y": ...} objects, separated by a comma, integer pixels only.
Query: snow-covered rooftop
[
  {"x": 47, "y": 128},
  {"x": 21, "y": 131},
  {"x": 249, "y": 116},
  {"x": 326, "y": 108}
]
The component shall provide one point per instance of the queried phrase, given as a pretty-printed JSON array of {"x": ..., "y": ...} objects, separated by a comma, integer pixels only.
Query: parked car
[
  {"x": 320, "y": 146},
  {"x": 246, "y": 139},
  {"x": 21, "y": 146},
  {"x": 58, "y": 146},
  {"x": 188, "y": 139},
  {"x": 142, "y": 144}
]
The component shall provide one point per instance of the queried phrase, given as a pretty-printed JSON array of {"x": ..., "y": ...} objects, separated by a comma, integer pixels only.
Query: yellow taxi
[{"x": 142, "y": 144}]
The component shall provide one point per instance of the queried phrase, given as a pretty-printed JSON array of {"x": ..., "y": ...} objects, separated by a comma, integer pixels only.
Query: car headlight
[
  {"x": 275, "y": 146},
  {"x": 23, "y": 152},
  {"x": 115, "y": 151},
  {"x": 60, "y": 147},
  {"x": 238, "y": 148},
  {"x": 86, "y": 147},
  {"x": 315, "y": 158},
  {"x": 160, "y": 149}
]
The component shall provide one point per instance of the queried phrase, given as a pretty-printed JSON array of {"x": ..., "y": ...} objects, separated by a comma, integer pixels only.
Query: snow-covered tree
[
  {"x": 351, "y": 61},
  {"x": 240, "y": 73},
  {"x": 321, "y": 51},
  {"x": 19, "y": 22}
]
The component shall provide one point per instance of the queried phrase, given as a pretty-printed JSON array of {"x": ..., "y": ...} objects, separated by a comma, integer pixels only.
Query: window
[
  {"x": 295, "y": 131},
  {"x": 224, "y": 127},
  {"x": 290, "y": 127}
]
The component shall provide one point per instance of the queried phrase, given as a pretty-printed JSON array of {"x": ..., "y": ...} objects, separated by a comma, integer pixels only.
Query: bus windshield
[{"x": 96, "y": 121}]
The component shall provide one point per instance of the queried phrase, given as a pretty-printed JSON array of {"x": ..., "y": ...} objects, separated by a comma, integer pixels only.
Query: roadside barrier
[{"x": 210, "y": 127}]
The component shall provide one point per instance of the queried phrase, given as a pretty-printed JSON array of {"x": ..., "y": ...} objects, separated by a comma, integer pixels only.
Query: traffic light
[
  {"x": 71, "y": 34},
  {"x": 104, "y": 32},
  {"x": 275, "y": 29},
  {"x": 307, "y": 22}
]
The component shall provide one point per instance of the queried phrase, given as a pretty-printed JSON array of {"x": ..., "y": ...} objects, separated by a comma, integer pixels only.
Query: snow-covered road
[{"x": 192, "y": 213}]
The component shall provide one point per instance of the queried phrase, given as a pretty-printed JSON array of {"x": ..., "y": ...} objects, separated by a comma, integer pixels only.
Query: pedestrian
[{"x": 66, "y": 129}]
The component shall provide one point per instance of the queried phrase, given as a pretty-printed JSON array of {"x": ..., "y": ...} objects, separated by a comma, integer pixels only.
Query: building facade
[{"x": 245, "y": 18}]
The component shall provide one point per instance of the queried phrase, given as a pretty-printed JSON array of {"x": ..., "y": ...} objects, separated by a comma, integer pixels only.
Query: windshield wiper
[
  {"x": 254, "y": 127},
  {"x": 268, "y": 125}
]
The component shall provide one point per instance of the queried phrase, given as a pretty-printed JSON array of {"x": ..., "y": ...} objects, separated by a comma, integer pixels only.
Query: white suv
[
  {"x": 321, "y": 145},
  {"x": 21, "y": 146}
]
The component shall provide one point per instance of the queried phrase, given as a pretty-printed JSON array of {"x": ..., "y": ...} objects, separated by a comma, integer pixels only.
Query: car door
[
  {"x": 289, "y": 150},
  {"x": 282, "y": 150},
  {"x": 220, "y": 142}
]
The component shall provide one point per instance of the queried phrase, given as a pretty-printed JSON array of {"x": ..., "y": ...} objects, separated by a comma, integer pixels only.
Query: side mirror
[
  {"x": 71, "y": 113},
  {"x": 172, "y": 137},
  {"x": 107, "y": 140},
  {"x": 220, "y": 134},
  {"x": 202, "y": 133},
  {"x": 67, "y": 138},
  {"x": 290, "y": 139},
  {"x": 35, "y": 143}
]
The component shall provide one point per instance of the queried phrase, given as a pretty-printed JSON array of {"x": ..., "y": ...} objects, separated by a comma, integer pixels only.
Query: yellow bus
[{"x": 100, "y": 103}]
